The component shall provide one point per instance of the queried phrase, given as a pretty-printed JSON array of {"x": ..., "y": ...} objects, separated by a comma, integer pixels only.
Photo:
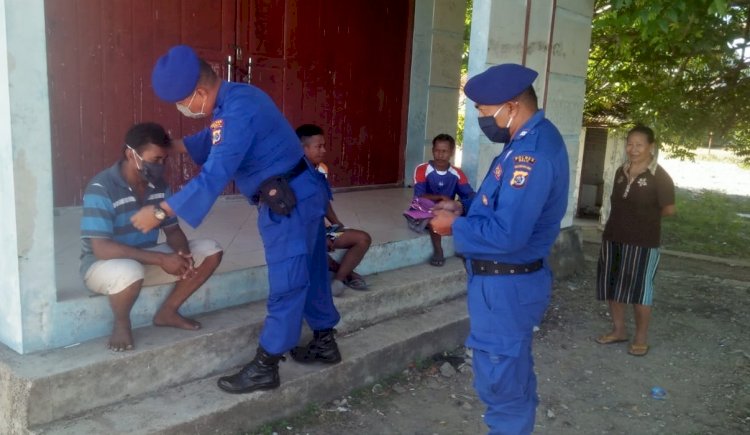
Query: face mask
[
  {"x": 185, "y": 110},
  {"x": 492, "y": 130},
  {"x": 151, "y": 172}
]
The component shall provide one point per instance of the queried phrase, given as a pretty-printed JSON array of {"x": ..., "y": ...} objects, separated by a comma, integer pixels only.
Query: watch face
[{"x": 160, "y": 214}]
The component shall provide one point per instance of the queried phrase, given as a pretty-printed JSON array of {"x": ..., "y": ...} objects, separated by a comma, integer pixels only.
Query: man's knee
[
  {"x": 110, "y": 277},
  {"x": 208, "y": 251},
  {"x": 365, "y": 239}
]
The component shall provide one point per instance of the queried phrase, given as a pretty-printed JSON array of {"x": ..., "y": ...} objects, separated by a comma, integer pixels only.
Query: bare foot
[
  {"x": 121, "y": 338},
  {"x": 175, "y": 320}
]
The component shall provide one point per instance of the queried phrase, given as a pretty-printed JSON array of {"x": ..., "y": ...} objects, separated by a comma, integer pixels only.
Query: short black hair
[
  {"x": 207, "y": 75},
  {"x": 146, "y": 133},
  {"x": 442, "y": 137},
  {"x": 640, "y": 128},
  {"x": 306, "y": 131},
  {"x": 529, "y": 97}
]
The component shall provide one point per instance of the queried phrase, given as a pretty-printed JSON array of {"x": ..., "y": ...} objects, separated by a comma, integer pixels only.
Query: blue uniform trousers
[
  {"x": 296, "y": 254},
  {"x": 503, "y": 311}
]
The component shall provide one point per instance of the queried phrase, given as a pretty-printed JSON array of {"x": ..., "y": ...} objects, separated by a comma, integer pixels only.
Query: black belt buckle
[{"x": 486, "y": 267}]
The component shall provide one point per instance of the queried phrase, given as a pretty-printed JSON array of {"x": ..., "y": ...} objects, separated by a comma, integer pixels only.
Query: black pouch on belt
[{"x": 278, "y": 195}]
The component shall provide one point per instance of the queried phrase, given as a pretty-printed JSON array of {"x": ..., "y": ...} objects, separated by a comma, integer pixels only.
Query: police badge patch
[
  {"x": 216, "y": 136},
  {"x": 216, "y": 128},
  {"x": 519, "y": 179}
]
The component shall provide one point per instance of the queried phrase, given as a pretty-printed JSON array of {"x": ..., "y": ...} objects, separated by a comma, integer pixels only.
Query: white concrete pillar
[
  {"x": 11, "y": 329},
  {"x": 27, "y": 278},
  {"x": 435, "y": 78},
  {"x": 550, "y": 36}
]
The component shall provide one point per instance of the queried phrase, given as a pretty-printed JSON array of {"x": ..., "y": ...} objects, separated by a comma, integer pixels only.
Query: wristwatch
[{"x": 159, "y": 213}]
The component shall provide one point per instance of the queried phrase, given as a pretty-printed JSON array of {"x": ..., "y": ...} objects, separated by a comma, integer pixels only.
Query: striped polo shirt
[{"x": 108, "y": 204}]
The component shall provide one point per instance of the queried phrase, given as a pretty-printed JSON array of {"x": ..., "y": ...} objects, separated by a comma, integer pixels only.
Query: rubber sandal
[
  {"x": 437, "y": 261},
  {"x": 638, "y": 349},
  {"x": 609, "y": 339},
  {"x": 356, "y": 284}
]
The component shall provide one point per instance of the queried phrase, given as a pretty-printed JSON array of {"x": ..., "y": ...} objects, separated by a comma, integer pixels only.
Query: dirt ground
[{"x": 700, "y": 355}]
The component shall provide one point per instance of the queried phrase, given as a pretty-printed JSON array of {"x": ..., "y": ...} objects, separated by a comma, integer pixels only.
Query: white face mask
[{"x": 185, "y": 110}]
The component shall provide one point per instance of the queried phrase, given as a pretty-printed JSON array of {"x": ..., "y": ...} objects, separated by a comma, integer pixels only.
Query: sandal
[
  {"x": 356, "y": 284},
  {"x": 437, "y": 261},
  {"x": 609, "y": 339},
  {"x": 638, "y": 349}
]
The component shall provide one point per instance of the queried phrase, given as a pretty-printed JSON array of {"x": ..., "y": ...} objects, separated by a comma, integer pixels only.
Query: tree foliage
[{"x": 680, "y": 66}]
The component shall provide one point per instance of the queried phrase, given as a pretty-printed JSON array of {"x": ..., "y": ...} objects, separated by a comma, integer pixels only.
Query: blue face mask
[{"x": 494, "y": 132}]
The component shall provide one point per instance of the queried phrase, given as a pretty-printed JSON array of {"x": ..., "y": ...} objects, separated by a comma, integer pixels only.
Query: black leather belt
[
  {"x": 289, "y": 176},
  {"x": 486, "y": 267}
]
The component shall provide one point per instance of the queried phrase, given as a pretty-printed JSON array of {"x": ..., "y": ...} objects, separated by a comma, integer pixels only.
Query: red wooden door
[
  {"x": 100, "y": 55},
  {"x": 341, "y": 64}
]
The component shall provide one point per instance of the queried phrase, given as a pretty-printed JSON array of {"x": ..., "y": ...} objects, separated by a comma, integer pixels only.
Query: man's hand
[
  {"x": 454, "y": 207},
  {"x": 175, "y": 264},
  {"x": 190, "y": 272},
  {"x": 144, "y": 219},
  {"x": 441, "y": 223}
]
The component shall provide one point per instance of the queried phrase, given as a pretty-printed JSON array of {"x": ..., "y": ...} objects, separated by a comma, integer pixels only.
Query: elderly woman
[{"x": 643, "y": 192}]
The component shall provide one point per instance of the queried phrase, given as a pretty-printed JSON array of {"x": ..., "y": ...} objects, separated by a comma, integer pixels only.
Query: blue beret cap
[
  {"x": 500, "y": 83},
  {"x": 175, "y": 74}
]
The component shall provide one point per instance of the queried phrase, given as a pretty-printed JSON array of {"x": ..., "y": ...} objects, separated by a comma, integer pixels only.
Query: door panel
[
  {"x": 340, "y": 64},
  {"x": 343, "y": 65},
  {"x": 100, "y": 55}
]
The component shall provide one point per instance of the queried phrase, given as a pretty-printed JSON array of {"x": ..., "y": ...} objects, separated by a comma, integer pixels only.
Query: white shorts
[{"x": 109, "y": 277}]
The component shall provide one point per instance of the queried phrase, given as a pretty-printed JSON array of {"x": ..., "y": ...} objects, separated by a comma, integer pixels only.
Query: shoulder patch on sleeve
[{"x": 216, "y": 131}]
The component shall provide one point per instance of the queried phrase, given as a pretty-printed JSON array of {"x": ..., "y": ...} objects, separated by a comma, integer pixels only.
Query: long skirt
[{"x": 625, "y": 273}]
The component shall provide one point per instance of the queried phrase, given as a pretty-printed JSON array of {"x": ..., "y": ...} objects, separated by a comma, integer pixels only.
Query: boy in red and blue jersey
[{"x": 437, "y": 180}]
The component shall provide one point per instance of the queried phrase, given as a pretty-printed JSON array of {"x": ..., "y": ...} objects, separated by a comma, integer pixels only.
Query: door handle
[
  {"x": 249, "y": 69},
  {"x": 229, "y": 68}
]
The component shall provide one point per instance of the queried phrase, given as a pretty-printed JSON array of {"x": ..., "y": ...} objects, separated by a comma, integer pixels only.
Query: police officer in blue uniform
[
  {"x": 505, "y": 236},
  {"x": 250, "y": 142}
]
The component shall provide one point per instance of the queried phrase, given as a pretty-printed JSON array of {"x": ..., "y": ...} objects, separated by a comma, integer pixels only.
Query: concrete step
[
  {"x": 223, "y": 290},
  {"x": 200, "y": 407},
  {"x": 64, "y": 383}
]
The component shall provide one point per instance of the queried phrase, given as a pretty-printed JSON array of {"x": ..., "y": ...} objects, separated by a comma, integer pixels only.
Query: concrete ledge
[
  {"x": 51, "y": 385},
  {"x": 90, "y": 315},
  {"x": 200, "y": 407}
]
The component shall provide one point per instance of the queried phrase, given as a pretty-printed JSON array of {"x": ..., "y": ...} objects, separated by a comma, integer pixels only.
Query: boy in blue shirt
[
  {"x": 437, "y": 180},
  {"x": 355, "y": 242}
]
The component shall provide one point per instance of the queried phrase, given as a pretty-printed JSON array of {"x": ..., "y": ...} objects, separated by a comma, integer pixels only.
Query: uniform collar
[
  {"x": 528, "y": 128},
  {"x": 223, "y": 89}
]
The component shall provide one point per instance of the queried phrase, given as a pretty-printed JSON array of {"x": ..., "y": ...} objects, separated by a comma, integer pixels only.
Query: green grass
[{"x": 707, "y": 223}]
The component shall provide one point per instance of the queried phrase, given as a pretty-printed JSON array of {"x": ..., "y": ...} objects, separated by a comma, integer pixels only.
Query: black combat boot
[
  {"x": 322, "y": 348},
  {"x": 262, "y": 373}
]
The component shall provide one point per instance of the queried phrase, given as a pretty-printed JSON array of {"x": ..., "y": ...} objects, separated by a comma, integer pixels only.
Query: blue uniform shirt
[
  {"x": 249, "y": 140},
  {"x": 515, "y": 215}
]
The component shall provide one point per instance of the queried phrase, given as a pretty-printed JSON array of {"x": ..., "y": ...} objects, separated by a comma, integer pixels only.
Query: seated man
[
  {"x": 438, "y": 180},
  {"x": 356, "y": 242},
  {"x": 117, "y": 259}
]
